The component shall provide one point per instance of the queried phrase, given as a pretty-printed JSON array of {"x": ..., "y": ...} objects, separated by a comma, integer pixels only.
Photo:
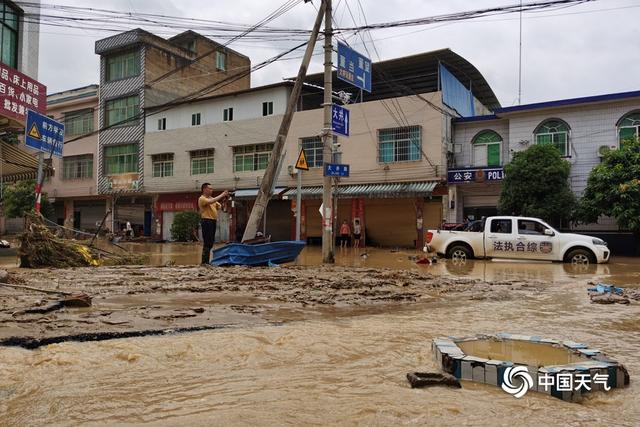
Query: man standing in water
[{"x": 208, "y": 207}]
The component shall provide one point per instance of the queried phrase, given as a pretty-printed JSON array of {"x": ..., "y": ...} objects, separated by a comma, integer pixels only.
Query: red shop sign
[{"x": 19, "y": 93}]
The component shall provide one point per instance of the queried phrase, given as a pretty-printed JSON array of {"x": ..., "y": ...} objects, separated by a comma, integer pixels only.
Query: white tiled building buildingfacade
[{"x": 583, "y": 128}]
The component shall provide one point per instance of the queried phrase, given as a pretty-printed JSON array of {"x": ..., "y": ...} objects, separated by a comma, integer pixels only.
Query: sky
[{"x": 584, "y": 50}]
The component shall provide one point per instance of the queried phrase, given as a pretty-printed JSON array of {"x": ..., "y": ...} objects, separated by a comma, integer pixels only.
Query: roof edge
[{"x": 570, "y": 101}]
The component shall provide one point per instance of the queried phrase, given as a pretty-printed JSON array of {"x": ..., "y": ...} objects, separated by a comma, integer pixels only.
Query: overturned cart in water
[
  {"x": 257, "y": 254},
  {"x": 520, "y": 363}
]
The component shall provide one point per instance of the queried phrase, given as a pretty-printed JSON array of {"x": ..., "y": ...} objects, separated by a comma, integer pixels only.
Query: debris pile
[
  {"x": 608, "y": 294},
  {"x": 39, "y": 248}
]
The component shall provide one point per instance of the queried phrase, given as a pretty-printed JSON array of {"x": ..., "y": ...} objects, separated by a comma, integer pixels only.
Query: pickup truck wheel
[
  {"x": 459, "y": 253},
  {"x": 580, "y": 257}
]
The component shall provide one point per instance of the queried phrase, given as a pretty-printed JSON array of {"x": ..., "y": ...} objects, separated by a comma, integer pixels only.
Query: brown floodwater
[
  {"x": 335, "y": 369},
  {"x": 523, "y": 352}
]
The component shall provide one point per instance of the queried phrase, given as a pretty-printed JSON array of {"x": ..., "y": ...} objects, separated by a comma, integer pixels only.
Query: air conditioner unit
[{"x": 604, "y": 149}]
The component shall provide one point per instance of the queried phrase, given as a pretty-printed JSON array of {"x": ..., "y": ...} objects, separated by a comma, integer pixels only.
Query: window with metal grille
[
  {"x": 629, "y": 128},
  {"x": 162, "y": 165},
  {"x": 121, "y": 159},
  {"x": 399, "y": 144},
  {"x": 554, "y": 132},
  {"x": 195, "y": 119},
  {"x": 313, "y": 150},
  {"x": 486, "y": 149},
  {"x": 78, "y": 122},
  {"x": 122, "y": 111},
  {"x": 123, "y": 65},
  {"x": 201, "y": 162},
  {"x": 251, "y": 157},
  {"x": 227, "y": 115},
  {"x": 162, "y": 123},
  {"x": 221, "y": 61},
  {"x": 9, "y": 34},
  {"x": 267, "y": 108},
  {"x": 77, "y": 167}
]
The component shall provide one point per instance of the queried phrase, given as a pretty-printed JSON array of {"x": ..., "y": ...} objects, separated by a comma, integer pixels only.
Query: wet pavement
[{"x": 338, "y": 359}]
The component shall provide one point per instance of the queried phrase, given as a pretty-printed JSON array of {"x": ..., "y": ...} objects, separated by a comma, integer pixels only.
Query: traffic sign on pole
[
  {"x": 301, "y": 163},
  {"x": 340, "y": 120},
  {"x": 44, "y": 134},
  {"x": 334, "y": 169},
  {"x": 353, "y": 67}
]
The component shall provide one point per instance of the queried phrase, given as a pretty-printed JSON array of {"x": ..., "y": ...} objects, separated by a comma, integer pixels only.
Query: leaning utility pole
[
  {"x": 327, "y": 136},
  {"x": 270, "y": 174}
]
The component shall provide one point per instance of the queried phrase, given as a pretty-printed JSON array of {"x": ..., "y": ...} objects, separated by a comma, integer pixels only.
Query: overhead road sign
[
  {"x": 340, "y": 120},
  {"x": 353, "y": 67},
  {"x": 335, "y": 169},
  {"x": 44, "y": 134},
  {"x": 301, "y": 163}
]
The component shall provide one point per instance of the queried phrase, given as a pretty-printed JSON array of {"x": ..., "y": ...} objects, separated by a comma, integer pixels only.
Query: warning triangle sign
[
  {"x": 302, "y": 162},
  {"x": 34, "y": 132}
]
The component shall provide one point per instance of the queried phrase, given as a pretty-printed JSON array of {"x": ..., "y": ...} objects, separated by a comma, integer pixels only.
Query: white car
[{"x": 518, "y": 238}]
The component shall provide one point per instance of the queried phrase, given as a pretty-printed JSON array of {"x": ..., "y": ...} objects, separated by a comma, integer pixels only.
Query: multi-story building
[
  {"x": 397, "y": 150},
  {"x": 139, "y": 71},
  {"x": 72, "y": 188},
  {"x": 19, "y": 91},
  {"x": 581, "y": 128}
]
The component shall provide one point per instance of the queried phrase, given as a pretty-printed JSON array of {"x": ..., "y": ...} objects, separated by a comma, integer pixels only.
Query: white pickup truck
[{"x": 518, "y": 238}]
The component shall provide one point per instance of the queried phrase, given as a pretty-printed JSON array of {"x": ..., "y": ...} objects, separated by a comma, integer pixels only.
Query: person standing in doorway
[
  {"x": 208, "y": 207},
  {"x": 357, "y": 233},
  {"x": 345, "y": 232}
]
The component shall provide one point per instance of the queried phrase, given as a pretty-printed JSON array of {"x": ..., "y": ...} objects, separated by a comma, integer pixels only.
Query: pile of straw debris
[{"x": 41, "y": 248}]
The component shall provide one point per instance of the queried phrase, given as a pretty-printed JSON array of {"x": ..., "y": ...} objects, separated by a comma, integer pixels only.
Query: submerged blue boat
[{"x": 256, "y": 255}]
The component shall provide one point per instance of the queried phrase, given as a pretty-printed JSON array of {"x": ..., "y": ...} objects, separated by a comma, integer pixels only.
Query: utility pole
[
  {"x": 40, "y": 180},
  {"x": 327, "y": 200},
  {"x": 271, "y": 173}
]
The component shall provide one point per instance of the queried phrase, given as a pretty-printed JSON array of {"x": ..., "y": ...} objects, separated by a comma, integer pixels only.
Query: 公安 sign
[{"x": 461, "y": 176}]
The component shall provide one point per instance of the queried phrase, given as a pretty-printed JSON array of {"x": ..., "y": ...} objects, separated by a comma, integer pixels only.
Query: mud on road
[{"x": 129, "y": 300}]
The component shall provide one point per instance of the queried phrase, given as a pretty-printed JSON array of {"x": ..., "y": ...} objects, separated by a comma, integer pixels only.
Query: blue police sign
[
  {"x": 353, "y": 67},
  {"x": 340, "y": 120},
  {"x": 334, "y": 169},
  {"x": 461, "y": 176},
  {"x": 44, "y": 134}
]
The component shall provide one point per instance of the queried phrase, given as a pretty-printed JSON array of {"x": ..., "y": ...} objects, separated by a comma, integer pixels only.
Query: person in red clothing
[{"x": 345, "y": 232}]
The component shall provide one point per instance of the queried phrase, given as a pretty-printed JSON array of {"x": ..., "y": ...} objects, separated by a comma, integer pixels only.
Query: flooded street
[{"x": 339, "y": 359}]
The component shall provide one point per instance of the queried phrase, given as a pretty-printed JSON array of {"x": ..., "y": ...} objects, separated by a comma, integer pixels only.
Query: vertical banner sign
[{"x": 340, "y": 120}]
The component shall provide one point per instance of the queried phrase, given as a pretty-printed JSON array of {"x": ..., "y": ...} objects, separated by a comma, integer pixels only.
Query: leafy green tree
[
  {"x": 613, "y": 188},
  {"x": 185, "y": 226},
  {"x": 537, "y": 184},
  {"x": 20, "y": 198}
]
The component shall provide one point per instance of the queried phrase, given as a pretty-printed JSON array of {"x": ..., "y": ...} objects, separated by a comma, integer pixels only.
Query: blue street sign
[
  {"x": 44, "y": 134},
  {"x": 340, "y": 120},
  {"x": 333, "y": 169},
  {"x": 354, "y": 68}
]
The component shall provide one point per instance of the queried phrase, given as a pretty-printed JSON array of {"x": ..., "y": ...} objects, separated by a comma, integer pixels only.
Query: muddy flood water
[{"x": 332, "y": 353}]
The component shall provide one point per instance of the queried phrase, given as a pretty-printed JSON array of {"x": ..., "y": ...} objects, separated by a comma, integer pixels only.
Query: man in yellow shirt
[{"x": 208, "y": 207}]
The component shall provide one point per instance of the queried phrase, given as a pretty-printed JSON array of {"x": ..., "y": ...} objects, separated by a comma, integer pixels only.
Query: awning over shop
[
  {"x": 252, "y": 193},
  {"x": 383, "y": 190},
  {"x": 17, "y": 164}
]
